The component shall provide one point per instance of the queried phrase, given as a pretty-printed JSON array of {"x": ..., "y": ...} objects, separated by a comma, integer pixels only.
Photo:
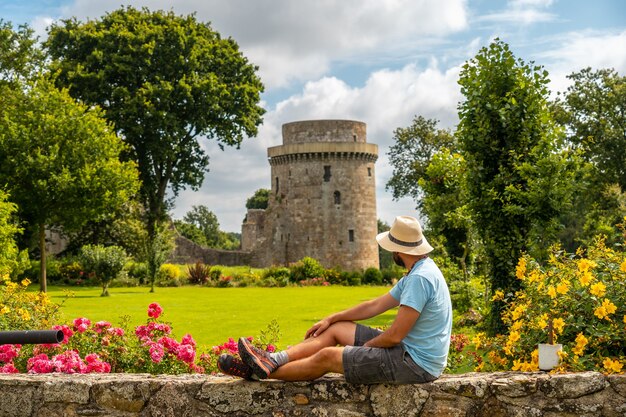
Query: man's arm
[
  {"x": 400, "y": 327},
  {"x": 362, "y": 311}
]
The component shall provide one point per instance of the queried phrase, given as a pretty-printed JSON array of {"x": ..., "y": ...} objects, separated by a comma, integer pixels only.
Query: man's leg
[
  {"x": 328, "y": 359},
  {"x": 340, "y": 333}
]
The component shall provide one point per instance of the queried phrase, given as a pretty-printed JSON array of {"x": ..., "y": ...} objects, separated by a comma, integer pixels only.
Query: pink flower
[
  {"x": 169, "y": 344},
  {"x": 116, "y": 331},
  {"x": 81, "y": 324},
  {"x": 271, "y": 348},
  {"x": 67, "y": 333},
  {"x": 156, "y": 352},
  {"x": 154, "y": 310},
  {"x": 101, "y": 326},
  {"x": 186, "y": 353},
  {"x": 69, "y": 362},
  {"x": 188, "y": 340},
  {"x": 39, "y": 364},
  {"x": 9, "y": 368},
  {"x": 9, "y": 352},
  {"x": 95, "y": 364}
]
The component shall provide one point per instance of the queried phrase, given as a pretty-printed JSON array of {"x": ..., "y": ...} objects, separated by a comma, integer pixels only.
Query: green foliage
[
  {"x": 259, "y": 200},
  {"x": 519, "y": 181},
  {"x": 60, "y": 160},
  {"x": 372, "y": 276},
  {"x": 23, "y": 310},
  {"x": 200, "y": 225},
  {"x": 168, "y": 276},
  {"x": 411, "y": 153},
  {"x": 306, "y": 268},
  {"x": 199, "y": 273},
  {"x": 385, "y": 258},
  {"x": 164, "y": 81},
  {"x": 20, "y": 58},
  {"x": 104, "y": 262},
  {"x": 12, "y": 260},
  {"x": 276, "y": 276},
  {"x": 156, "y": 250}
]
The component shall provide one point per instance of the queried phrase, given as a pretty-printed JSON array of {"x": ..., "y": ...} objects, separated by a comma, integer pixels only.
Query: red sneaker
[
  {"x": 259, "y": 360},
  {"x": 230, "y": 365}
]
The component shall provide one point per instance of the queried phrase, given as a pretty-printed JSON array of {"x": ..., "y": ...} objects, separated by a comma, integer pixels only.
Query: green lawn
[{"x": 212, "y": 315}]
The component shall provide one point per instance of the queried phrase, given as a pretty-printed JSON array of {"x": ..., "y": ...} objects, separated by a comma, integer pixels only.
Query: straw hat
[{"x": 405, "y": 236}]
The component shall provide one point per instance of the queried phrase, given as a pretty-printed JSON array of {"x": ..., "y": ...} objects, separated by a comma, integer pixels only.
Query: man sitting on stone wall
[{"x": 413, "y": 349}]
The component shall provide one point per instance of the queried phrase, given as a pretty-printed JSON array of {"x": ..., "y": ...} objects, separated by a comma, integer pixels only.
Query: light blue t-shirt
[{"x": 425, "y": 290}]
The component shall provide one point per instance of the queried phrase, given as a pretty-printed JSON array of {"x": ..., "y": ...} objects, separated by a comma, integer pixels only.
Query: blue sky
[{"x": 378, "y": 61}]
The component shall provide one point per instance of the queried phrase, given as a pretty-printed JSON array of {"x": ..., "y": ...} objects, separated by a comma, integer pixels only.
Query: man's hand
[{"x": 318, "y": 328}]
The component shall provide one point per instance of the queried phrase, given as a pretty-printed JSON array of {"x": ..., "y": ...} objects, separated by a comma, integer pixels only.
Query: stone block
[
  {"x": 398, "y": 400},
  {"x": 573, "y": 385}
]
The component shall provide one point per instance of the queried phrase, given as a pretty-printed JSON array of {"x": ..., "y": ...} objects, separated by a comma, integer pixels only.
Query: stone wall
[
  {"x": 188, "y": 252},
  {"x": 476, "y": 394}
]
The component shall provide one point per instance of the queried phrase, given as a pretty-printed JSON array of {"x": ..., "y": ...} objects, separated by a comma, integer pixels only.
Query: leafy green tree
[
  {"x": 164, "y": 81},
  {"x": 593, "y": 109},
  {"x": 259, "y": 200},
  {"x": 12, "y": 260},
  {"x": 519, "y": 178},
  {"x": 411, "y": 153},
  {"x": 156, "y": 252},
  {"x": 59, "y": 160},
  {"x": 105, "y": 262},
  {"x": 206, "y": 221},
  {"x": 385, "y": 259},
  {"x": 593, "y": 113},
  {"x": 20, "y": 58}
]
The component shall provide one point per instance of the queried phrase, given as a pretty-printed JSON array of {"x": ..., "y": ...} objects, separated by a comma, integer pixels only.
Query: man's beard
[{"x": 398, "y": 260}]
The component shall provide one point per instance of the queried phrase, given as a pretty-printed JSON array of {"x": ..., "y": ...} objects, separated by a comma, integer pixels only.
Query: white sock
[{"x": 280, "y": 358}]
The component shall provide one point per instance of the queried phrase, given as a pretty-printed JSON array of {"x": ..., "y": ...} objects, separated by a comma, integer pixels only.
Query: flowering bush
[
  {"x": 579, "y": 299},
  {"x": 20, "y": 309},
  {"x": 100, "y": 347}
]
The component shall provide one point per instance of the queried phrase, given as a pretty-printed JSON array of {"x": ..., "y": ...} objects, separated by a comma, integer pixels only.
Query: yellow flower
[
  {"x": 24, "y": 314},
  {"x": 612, "y": 366},
  {"x": 581, "y": 342},
  {"x": 7, "y": 310},
  {"x": 624, "y": 319},
  {"x": 610, "y": 307},
  {"x": 520, "y": 270},
  {"x": 585, "y": 265},
  {"x": 534, "y": 276},
  {"x": 586, "y": 278},
  {"x": 558, "y": 324},
  {"x": 622, "y": 267},
  {"x": 26, "y": 282},
  {"x": 478, "y": 340},
  {"x": 517, "y": 325},
  {"x": 498, "y": 295},
  {"x": 563, "y": 287},
  {"x": 551, "y": 291},
  {"x": 518, "y": 311},
  {"x": 598, "y": 289},
  {"x": 607, "y": 308}
]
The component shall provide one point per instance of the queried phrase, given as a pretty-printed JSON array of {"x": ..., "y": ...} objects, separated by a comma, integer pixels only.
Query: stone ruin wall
[{"x": 476, "y": 394}]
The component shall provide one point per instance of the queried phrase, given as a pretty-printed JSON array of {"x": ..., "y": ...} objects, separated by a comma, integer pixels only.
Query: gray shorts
[{"x": 367, "y": 365}]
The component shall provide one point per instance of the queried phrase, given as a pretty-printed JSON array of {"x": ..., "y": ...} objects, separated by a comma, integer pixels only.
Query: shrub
[
  {"x": 392, "y": 274},
  {"x": 372, "y": 276},
  {"x": 105, "y": 262},
  {"x": 334, "y": 277},
  {"x": 215, "y": 274},
  {"x": 582, "y": 296},
  {"x": 306, "y": 268},
  {"x": 72, "y": 273},
  {"x": 23, "y": 310},
  {"x": 138, "y": 271},
  {"x": 276, "y": 276},
  {"x": 199, "y": 273}
]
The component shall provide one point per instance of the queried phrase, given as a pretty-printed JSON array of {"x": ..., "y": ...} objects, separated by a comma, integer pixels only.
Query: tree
[
  {"x": 594, "y": 111},
  {"x": 20, "y": 58},
  {"x": 105, "y": 262},
  {"x": 259, "y": 200},
  {"x": 164, "y": 81},
  {"x": 206, "y": 221},
  {"x": 519, "y": 177},
  {"x": 411, "y": 153},
  {"x": 59, "y": 160}
]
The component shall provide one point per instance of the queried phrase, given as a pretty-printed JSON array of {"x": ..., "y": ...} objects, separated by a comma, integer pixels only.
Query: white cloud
[
  {"x": 298, "y": 40},
  {"x": 524, "y": 12},
  {"x": 577, "y": 50}
]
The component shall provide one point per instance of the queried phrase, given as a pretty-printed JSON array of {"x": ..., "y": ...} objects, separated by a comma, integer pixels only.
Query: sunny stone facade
[{"x": 322, "y": 201}]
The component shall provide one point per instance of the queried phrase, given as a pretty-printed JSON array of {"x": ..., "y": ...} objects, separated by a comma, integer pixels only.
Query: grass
[{"x": 212, "y": 315}]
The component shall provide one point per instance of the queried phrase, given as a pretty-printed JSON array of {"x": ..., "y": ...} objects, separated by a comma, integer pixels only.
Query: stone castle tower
[{"x": 322, "y": 201}]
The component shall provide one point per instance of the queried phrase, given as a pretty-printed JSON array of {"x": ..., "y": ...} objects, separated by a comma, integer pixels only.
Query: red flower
[{"x": 154, "y": 310}]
